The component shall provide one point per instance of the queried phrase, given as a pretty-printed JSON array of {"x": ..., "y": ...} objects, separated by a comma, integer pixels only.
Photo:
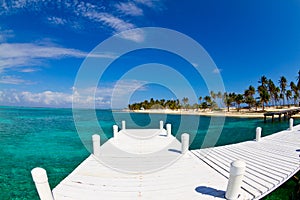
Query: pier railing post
[
  {"x": 161, "y": 125},
  {"x": 258, "y": 134},
  {"x": 123, "y": 125},
  {"x": 115, "y": 130},
  {"x": 39, "y": 176},
  {"x": 291, "y": 124},
  {"x": 96, "y": 144},
  {"x": 185, "y": 143},
  {"x": 169, "y": 131},
  {"x": 237, "y": 171}
]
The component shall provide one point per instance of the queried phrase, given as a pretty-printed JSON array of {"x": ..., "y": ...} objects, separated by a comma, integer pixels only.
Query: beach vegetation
[
  {"x": 282, "y": 84},
  {"x": 185, "y": 101},
  {"x": 266, "y": 94}
]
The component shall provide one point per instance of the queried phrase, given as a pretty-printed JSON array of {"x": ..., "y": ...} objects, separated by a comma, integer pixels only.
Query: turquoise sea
[{"x": 47, "y": 137}]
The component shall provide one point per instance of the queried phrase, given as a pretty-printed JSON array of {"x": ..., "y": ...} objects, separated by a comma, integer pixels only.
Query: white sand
[{"x": 245, "y": 113}]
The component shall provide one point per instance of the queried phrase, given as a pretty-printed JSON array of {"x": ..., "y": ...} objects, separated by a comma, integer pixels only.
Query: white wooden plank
[
  {"x": 266, "y": 178},
  {"x": 251, "y": 187},
  {"x": 224, "y": 161},
  {"x": 270, "y": 162}
]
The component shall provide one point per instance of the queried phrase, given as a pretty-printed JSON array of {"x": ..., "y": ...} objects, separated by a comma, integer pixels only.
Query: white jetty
[{"x": 152, "y": 164}]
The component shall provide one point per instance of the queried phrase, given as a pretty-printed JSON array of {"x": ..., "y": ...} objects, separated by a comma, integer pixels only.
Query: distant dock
[
  {"x": 247, "y": 170},
  {"x": 286, "y": 114}
]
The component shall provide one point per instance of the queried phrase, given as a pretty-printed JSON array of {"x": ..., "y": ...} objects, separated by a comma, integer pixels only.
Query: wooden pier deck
[
  {"x": 197, "y": 174},
  {"x": 286, "y": 114},
  {"x": 270, "y": 162}
]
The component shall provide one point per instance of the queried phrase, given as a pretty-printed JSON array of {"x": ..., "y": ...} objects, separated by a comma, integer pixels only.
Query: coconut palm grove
[{"x": 268, "y": 93}]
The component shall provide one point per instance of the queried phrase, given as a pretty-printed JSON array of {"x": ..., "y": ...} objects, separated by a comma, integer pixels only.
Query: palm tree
[
  {"x": 251, "y": 90},
  {"x": 208, "y": 99},
  {"x": 296, "y": 92},
  {"x": 185, "y": 100},
  {"x": 213, "y": 95},
  {"x": 257, "y": 104},
  {"x": 276, "y": 95},
  {"x": 162, "y": 102},
  {"x": 248, "y": 94},
  {"x": 263, "y": 81},
  {"x": 298, "y": 79},
  {"x": 200, "y": 99},
  {"x": 145, "y": 104},
  {"x": 272, "y": 90},
  {"x": 264, "y": 96},
  {"x": 282, "y": 85},
  {"x": 228, "y": 99},
  {"x": 288, "y": 96},
  {"x": 233, "y": 95},
  {"x": 176, "y": 104},
  {"x": 281, "y": 96},
  {"x": 204, "y": 105},
  {"x": 295, "y": 99},
  {"x": 152, "y": 102},
  {"x": 239, "y": 99},
  {"x": 219, "y": 95},
  {"x": 293, "y": 86}
]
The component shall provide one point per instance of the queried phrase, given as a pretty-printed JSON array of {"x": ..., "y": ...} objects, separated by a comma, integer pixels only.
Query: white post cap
[
  {"x": 39, "y": 175},
  {"x": 96, "y": 137},
  {"x": 238, "y": 167}
]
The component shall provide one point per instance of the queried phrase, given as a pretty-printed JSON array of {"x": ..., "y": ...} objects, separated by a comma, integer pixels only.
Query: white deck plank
[{"x": 199, "y": 174}]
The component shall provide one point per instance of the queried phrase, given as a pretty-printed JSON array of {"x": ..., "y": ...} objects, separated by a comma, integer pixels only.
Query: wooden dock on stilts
[
  {"x": 247, "y": 170},
  {"x": 286, "y": 114}
]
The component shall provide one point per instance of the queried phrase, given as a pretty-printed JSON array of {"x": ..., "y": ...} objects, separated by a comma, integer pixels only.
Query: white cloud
[
  {"x": 57, "y": 20},
  {"x": 136, "y": 35},
  {"x": 99, "y": 12},
  {"x": 25, "y": 98},
  {"x": 149, "y": 3},
  {"x": 101, "y": 96},
  {"x": 16, "y": 62},
  {"x": 16, "y": 5},
  {"x": 48, "y": 98},
  {"x": 4, "y": 5},
  {"x": 128, "y": 86},
  {"x": 14, "y": 55},
  {"x": 117, "y": 24},
  {"x": 29, "y": 70},
  {"x": 31, "y": 50},
  {"x": 87, "y": 98},
  {"x": 129, "y": 8},
  {"x": 20, "y": 3},
  {"x": 217, "y": 71},
  {"x": 114, "y": 22},
  {"x": 195, "y": 64},
  {"x": 6, "y": 34},
  {"x": 14, "y": 80}
]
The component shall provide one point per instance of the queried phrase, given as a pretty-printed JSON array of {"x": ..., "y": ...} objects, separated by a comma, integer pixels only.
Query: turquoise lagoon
[{"x": 47, "y": 137}]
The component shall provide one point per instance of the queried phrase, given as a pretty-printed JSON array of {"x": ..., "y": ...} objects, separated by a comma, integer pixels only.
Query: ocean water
[{"x": 48, "y": 138}]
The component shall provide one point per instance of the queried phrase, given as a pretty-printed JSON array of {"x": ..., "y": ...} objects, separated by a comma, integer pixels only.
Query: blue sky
[{"x": 43, "y": 44}]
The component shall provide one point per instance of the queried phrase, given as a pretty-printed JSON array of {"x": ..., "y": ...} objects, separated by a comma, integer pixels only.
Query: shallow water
[{"x": 46, "y": 137}]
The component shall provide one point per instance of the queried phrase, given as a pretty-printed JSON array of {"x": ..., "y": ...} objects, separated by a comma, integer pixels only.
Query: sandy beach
[{"x": 244, "y": 113}]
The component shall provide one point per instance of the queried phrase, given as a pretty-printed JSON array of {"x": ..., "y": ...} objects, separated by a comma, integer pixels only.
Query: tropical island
[{"x": 267, "y": 96}]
